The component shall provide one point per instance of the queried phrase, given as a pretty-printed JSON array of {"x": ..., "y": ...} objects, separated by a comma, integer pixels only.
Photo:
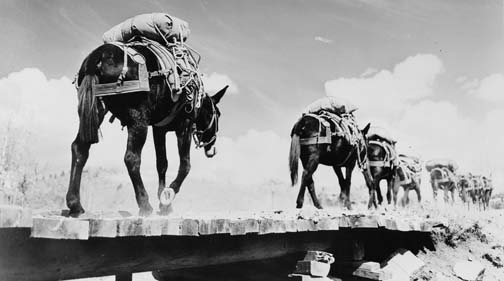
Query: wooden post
[{"x": 124, "y": 277}]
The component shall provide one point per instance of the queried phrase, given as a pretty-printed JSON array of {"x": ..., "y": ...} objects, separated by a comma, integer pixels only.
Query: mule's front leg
[
  {"x": 137, "y": 133},
  {"x": 80, "y": 153},
  {"x": 184, "y": 149},
  {"x": 159, "y": 135}
]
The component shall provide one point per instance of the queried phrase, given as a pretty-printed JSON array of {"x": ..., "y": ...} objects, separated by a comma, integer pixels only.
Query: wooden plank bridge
[{"x": 51, "y": 246}]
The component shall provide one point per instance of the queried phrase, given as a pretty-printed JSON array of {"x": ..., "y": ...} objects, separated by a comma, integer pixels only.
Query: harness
[
  {"x": 390, "y": 158},
  {"x": 344, "y": 126},
  {"x": 198, "y": 134}
]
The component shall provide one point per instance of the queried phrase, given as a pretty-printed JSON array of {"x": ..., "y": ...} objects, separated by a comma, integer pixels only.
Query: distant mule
[
  {"x": 381, "y": 167},
  {"x": 409, "y": 179},
  {"x": 338, "y": 153},
  {"x": 137, "y": 111},
  {"x": 443, "y": 179},
  {"x": 466, "y": 189}
]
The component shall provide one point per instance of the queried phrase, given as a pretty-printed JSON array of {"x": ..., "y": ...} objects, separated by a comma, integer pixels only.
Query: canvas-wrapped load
[
  {"x": 153, "y": 26},
  {"x": 380, "y": 133},
  {"x": 441, "y": 163},
  {"x": 411, "y": 162},
  {"x": 331, "y": 104}
]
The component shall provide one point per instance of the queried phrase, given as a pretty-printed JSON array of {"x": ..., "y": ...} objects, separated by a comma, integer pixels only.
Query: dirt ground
[{"x": 465, "y": 235}]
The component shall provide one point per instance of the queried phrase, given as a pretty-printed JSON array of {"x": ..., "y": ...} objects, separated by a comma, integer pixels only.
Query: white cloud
[
  {"x": 491, "y": 88},
  {"x": 323, "y": 39},
  {"x": 216, "y": 81},
  {"x": 47, "y": 108},
  {"x": 387, "y": 92},
  {"x": 403, "y": 101}
]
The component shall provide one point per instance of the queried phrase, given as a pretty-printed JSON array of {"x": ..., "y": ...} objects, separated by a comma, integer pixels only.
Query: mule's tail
[
  {"x": 88, "y": 109},
  {"x": 295, "y": 151}
]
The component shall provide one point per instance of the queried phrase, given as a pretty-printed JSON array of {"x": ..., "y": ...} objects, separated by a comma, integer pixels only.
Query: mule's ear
[
  {"x": 217, "y": 97},
  {"x": 366, "y": 129}
]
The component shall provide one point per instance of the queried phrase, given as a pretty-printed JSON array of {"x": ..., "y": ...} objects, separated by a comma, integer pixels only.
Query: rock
[
  {"x": 403, "y": 264},
  {"x": 495, "y": 260},
  {"x": 313, "y": 268},
  {"x": 469, "y": 270}
]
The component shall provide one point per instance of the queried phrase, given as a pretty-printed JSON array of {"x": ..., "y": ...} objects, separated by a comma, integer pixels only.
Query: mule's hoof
[
  {"x": 299, "y": 206},
  {"x": 165, "y": 210},
  {"x": 318, "y": 207},
  {"x": 146, "y": 211},
  {"x": 167, "y": 196},
  {"x": 76, "y": 212}
]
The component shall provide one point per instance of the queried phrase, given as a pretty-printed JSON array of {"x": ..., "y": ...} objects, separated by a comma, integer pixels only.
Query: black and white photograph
[{"x": 235, "y": 140}]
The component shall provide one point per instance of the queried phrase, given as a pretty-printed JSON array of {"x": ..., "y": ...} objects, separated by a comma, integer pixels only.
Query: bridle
[{"x": 198, "y": 134}]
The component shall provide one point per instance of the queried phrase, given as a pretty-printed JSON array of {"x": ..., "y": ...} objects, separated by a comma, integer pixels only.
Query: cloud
[
  {"x": 216, "y": 81},
  {"x": 388, "y": 91},
  {"x": 323, "y": 39},
  {"x": 491, "y": 88},
  {"x": 404, "y": 101},
  {"x": 47, "y": 108}
]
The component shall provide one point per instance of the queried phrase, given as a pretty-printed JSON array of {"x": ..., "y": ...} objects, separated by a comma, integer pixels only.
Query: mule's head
[{"x": 207, "y": 123}]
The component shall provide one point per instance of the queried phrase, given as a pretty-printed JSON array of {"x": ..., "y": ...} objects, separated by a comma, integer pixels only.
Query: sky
[{"x": 431, "y": 72}]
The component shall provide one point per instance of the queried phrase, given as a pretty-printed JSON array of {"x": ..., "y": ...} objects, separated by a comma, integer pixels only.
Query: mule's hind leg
[
  {"x": 137, "y": 133},
  {"x": 344, "y": 183},
  {"x": 313, "y": 194},
  {"x": 391, "y": 190},
  {"x": 300, "y": 197},
  {"x": 80, "y": 153},
  {"x": 309, "y": 165}
]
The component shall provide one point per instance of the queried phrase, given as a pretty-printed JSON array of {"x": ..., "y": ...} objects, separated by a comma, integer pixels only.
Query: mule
[
  {"x": 414, "y": 184},
  {"x": 137, "y": 111},
  {"x": 465, "y": 188},
  {"x": 338, "y": 154},
  {"x": 487, "y": 192},
  {"x": 381, "y": 168},
  {"x": 442, "y": 179}
]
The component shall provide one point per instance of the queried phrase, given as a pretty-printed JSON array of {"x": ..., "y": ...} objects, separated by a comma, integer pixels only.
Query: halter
[{"x": 198, "y": 134}]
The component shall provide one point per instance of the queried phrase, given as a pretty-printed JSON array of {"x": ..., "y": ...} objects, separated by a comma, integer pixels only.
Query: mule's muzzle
[{"x": 210, "y": 152}]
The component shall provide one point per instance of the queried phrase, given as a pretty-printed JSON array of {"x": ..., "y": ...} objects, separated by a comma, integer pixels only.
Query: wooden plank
[
  {"x": 267, "y": 226},
  {"x": 402, "y": 225},
  {"x": 171, "y": 227},
  {"x": 391, "y": 224},
  {"x": 204, "y": 227},
  {"x": 153, "y": 226},
  {"x": 251, "y": 226},
  {"x": 327, "y": 224},
  {"x": 60, "y": 228},
  {"x": 15, "y": 216},
  {"x": 105, "y": 227},
  {"x": 219, "y": 226},
  {"x": 291, "y": 225},
  {"x": 237, "y": 227},
  {"x": 364, "y": 222},
  {"x": 344, "y": 222},
  {"x": 130, "y": 227},
  {"x": 189, "y": 227}
]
